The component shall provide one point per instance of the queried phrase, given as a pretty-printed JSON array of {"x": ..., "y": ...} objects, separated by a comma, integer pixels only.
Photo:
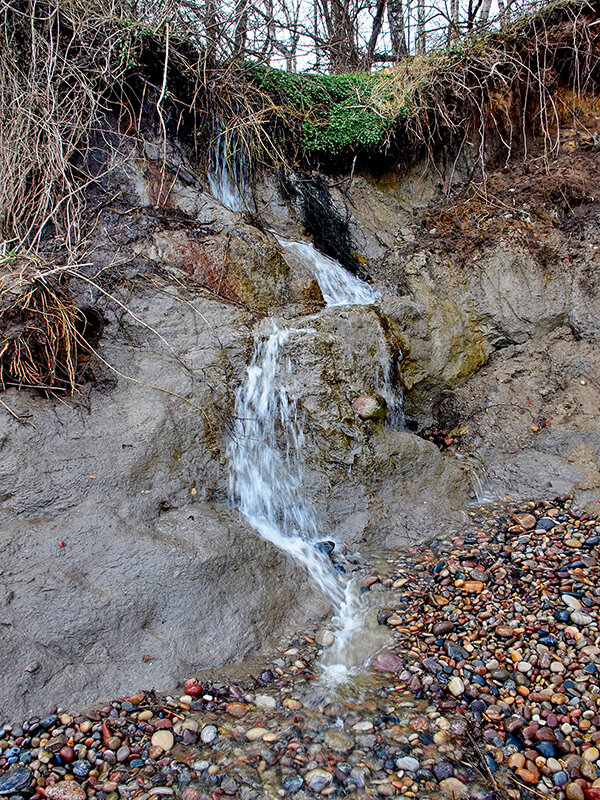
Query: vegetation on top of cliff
[
  {"x": 497, "y": 83},
  {"x": 334, "y": 112},
  {"x": 66, "y": 68},
  {"x": 79, "y": 79}
]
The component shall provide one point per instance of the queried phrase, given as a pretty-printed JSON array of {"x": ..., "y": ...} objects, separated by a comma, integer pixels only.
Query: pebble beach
[{"x": 488, "y": 687}]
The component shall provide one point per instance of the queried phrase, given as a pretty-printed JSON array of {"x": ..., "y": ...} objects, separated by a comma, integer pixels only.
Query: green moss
[
  {"x": 333, "y": 113},
  {"x": 131, "y": 34}
]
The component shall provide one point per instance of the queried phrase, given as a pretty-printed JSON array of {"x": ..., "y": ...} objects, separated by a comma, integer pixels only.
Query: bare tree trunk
[
  {"x": 395, "y": 14},
  {"x": 210, "y": 31},
  {"x": 267, "y": 47},
  {"x": 291, "y": 12},
  {"x": 241, "y": 28},
  {"x": 484, "y": 16},
  {"x": 316, "y": 35},
  {"x": 420, "y": 26},
  {"x": 453, "y": 29},
  {"x": 473, "y": 11},
  {"x": 375, "y": 31},
  {"x": 343, "y": 52}
]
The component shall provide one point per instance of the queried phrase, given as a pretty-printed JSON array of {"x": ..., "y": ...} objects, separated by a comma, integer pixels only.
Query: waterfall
[
  {"x": 266, "y": 483},
  {"x": 228, "y": 176},
  {"x": 267, "y": 463},
  {"x": 392, "y": 396},
  {"x": 266, "y": 458},
  {"x": 338, "y": 286},
  {"x": 267, "y": 446}
]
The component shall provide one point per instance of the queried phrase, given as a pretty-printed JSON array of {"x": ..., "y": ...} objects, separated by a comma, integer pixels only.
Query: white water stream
[
  {"x": 338, "y": 286},
  {"x": 267, "y": 465},
  {"x": 267, "y": 484},
  {"x": 227, "y": 179},
  {"x": 266, "y": 448}
]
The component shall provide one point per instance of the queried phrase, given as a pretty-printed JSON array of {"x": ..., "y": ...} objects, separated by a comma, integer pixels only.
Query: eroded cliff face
[
  {"x": 493, "y": 303},
  {"x": 159, "y": 575}
]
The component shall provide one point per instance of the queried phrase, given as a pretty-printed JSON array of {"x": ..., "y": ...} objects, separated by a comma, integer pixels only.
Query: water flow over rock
[
  {"x": 267, "y": 485},
  {"x": 267, "y": 463},
  {"x": 228, "y": 177},
  {"x": 338, "y": 286},
  {"x": 266, "y": 450}
]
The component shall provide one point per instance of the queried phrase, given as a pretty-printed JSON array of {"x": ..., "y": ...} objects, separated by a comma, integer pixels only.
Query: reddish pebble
[
  {"x": 65, "y": 790},
  {"x": 66, "y": 753},
  {"x": 473, "y": 587},
  {"x": 189, "y": 793},
  {"x": 527, "y": 776},
  {"x": 237, "y": 709},
  {"x": 526, "y": 521},
  {"x": 387, "y": 662}
]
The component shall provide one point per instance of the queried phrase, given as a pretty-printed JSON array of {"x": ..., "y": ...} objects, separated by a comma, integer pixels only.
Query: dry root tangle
[
  {"x": 499, "y": 87},
  {"x": 41, "y": 327}
]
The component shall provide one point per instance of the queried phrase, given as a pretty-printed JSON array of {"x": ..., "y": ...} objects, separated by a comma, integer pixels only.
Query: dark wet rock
[
  {"x": 455, "y": 651},
  {"x": 546, "y": 749},
  {"x": 49, "y": 722},
  {"x": 442, "y": 627},
  {"x": 326, "y": 547},
  {"x": 433, "y": 665},
  {"x": 15, "y": 780},
  {"x": 292, "y": 783},
  {"x": 514, "y": 723},
  {"x": 443, "y": 770},
  {"x": 81, "y": 768}
]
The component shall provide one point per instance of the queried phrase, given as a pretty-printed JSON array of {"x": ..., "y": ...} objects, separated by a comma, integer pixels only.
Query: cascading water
[
  {"x": 267, "y": 444},
  {"x": 392, "y": 396},
  {"x": 266, "y": 461},
  {"x": 266, "y": 484},
  {"x": 338, "y": 286},
  {"x": 266, "y": 455},
  {"x": 228, "y": 177},
  {"x": 479, "y": 477}
]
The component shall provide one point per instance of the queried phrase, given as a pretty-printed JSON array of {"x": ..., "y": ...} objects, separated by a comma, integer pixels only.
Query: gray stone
[
  {"x": 408, "y": 763},
  {"x": 208, "y": 734}
]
